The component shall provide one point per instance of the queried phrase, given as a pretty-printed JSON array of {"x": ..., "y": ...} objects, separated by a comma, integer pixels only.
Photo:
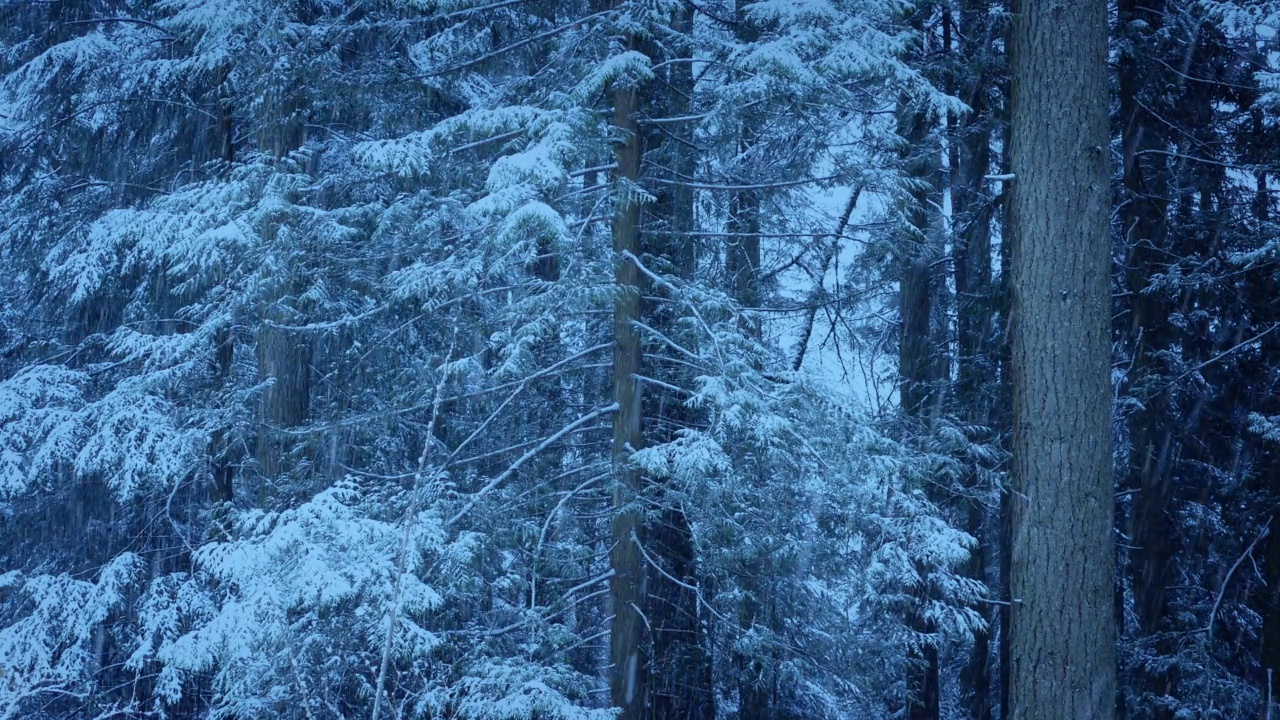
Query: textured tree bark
[
  {"x": 628, "y": 668},
  {"x": 1062, "y": 564}
]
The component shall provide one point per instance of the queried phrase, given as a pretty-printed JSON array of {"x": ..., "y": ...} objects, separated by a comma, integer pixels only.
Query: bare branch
[{"x": 515, "y": 467}]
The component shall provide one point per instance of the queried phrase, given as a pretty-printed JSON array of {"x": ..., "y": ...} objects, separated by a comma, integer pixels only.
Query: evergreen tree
[{"x": 306, "y": 407}]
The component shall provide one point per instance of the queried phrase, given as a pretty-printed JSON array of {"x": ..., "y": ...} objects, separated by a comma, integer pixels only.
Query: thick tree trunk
[
  {"x": 628, "y": 668},
  {"x": 1063, "y": 630}
]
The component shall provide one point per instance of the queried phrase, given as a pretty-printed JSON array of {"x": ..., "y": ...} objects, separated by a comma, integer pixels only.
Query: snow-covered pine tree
[{"x": 305, "y": 399}]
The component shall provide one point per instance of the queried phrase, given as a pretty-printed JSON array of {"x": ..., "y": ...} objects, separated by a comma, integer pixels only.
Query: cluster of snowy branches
[
  {"x": 304, "y": 357},
  {"x": 437, "y": 358}
]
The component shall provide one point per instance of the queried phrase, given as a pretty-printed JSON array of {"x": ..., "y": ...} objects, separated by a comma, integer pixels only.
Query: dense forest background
[{"x": 514, "y": 359}]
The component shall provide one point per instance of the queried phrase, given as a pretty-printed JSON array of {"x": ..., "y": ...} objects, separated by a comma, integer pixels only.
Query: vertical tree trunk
[
  {"x": 224, "y": 116},
  {"x": 1005, "y": 651},
  {"x": 1144, "y": 227},
  {"x": 742, "y": 261},
  {"x": 222, "y": 488},
  {"x": 1143, "y": 331},
  {"x": 1063, "y": 631},
  {"x": 976, "y": 350},
  {"x": 284, "y": 358},
  {"x": 917, "y": 353},
  {"x": 627, "y": 586},
  {"x": 742, "y": 271},
  {"x": 1270, "y": 602},
  {"x": 224, "y": 350},
  {"x": 918, "y": 383},
  {"x": 679, "y": 681},
  {"x": 1269, "y": 460},
  {"x": 1003, "y": 410},
  {"x": 224, "y": 342},
  {"x": 917, "y": 391}
]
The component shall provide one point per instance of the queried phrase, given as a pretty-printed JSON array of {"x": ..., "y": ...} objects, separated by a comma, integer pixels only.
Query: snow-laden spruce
[{"x": 315, "y": 369}]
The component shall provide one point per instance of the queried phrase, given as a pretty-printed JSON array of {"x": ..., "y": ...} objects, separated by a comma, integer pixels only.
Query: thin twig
[
  {"x": 1266, "y": 530},
  {"x": 1228, "y": 351},
  {"x": 515, "y": 467}
]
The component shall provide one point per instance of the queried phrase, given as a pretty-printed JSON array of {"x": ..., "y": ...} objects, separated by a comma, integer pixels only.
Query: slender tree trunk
[
  {"x": 628, "y": 669},
  {"x": 224, "y": 122},
  {"x": 1144, "y": 227},
  {"x": 1063, "y": 631},
  {"x": 1270, "y": 461},
  {"x": 818, "y": 293},
  {"x": 680, "y": 677},
  {"x": 742, "y": 270},
  {"x": 284, "y": 358},
  {"x": 1004, "y": 413},
  {"x": 918, "y": 362},
  {"x": 976, "y": 349},
  {"x": 743, "y": 256},
  {"x": 224, "y": 341},
  {"x": 917, "y": 368},
  {"x": 222, "y": 488},
  {"x": 1149, "y": 554},
  {"x": 1271, "y": 593}
]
